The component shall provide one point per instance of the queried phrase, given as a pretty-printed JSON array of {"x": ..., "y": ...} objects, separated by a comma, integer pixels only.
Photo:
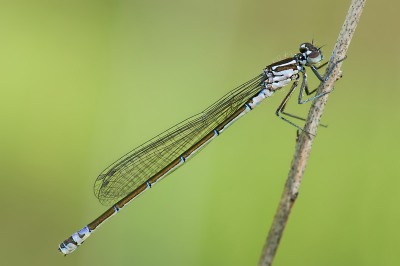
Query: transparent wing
[{"x": 136, "y": 167}]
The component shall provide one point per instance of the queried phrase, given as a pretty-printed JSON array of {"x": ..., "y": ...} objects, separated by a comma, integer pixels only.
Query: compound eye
[
  {"x": 303, "y": 49},
  {"x": 314, "y": 54},
  {"x": 314, "y": 57}
]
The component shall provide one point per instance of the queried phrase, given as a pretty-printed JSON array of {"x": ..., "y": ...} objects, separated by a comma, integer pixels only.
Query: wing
[{"x": 136, "y": 167}]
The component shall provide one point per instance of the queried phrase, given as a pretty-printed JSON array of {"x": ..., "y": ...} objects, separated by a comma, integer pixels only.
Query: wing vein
[{"x": 136, "y": 167}]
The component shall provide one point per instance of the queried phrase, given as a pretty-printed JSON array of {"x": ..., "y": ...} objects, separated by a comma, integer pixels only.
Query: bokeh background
[{"x": 83, "y": 82}]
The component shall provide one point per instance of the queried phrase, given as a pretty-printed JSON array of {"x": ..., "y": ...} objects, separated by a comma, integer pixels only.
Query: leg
[
  {"x": 304, "y": 87},
  {"x": 281, "y": 107},
  {"x": 316, "y": 73}
]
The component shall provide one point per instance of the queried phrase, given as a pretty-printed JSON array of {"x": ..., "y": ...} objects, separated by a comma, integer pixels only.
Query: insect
[{"x": 141, "y": 168}]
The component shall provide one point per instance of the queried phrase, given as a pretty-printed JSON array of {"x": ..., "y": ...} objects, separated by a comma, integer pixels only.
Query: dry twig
[{"x": 305, "y": 140}]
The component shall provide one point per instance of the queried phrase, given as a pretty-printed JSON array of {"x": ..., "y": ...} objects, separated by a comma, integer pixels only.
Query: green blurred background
[{"x": 83, "y": 82}]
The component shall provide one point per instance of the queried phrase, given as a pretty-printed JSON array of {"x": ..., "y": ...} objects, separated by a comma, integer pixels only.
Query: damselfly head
[{"x": 312, "y": 54}]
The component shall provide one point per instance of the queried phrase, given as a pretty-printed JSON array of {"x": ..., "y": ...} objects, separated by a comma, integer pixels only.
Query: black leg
[
  {"x": 316, "y": 73},
  {"x": 281, "y": 107},
  {"x": 304, "y": 87},
  {"x": 321, "y": 66},
  {"x": 304, "y": 84}
]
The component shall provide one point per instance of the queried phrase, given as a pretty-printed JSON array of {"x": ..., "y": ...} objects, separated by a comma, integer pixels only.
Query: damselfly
[{"x": 141, "y": 168}]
